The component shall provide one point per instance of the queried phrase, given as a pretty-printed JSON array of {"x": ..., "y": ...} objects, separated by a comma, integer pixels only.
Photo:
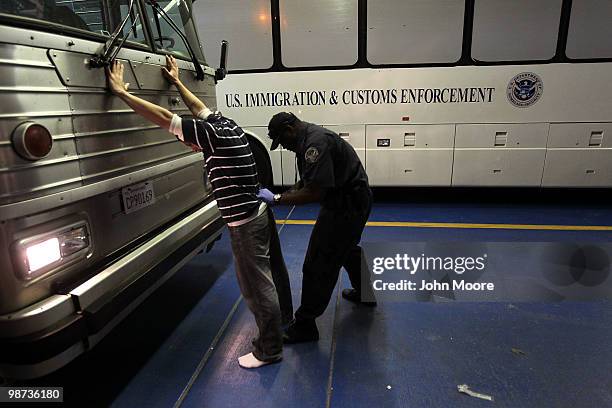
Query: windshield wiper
[
  {"x": 105, "y": 58},
  {"x": 157, "y": 8}
]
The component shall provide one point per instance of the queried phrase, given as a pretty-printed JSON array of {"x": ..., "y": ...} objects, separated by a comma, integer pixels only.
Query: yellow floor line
[{"x": 468, "y": 226}]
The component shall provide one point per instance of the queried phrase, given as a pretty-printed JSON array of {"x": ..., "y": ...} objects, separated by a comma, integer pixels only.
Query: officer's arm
[
  {"x": 296, "y": 186},
  {"x": 305, "y": 195}
]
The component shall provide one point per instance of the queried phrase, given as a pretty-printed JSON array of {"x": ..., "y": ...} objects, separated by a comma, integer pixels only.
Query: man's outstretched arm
[
  {"x": 171, "y": 72},
  {"x": 154, "y": 113}
]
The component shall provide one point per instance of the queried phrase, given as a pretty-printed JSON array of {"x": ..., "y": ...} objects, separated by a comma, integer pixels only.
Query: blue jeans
[{"x": 261, "y": 270}]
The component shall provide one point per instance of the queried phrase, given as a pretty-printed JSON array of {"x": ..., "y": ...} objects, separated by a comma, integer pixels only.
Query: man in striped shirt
[
  {"x": 229, "y": 163},
  {"x": 232, "y": 172}
]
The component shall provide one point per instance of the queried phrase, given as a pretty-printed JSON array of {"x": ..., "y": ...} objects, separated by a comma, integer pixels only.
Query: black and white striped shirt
[{"x": 230, "y": 164}]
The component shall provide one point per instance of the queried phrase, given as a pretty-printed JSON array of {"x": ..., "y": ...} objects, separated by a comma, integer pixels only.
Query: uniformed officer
[{"x": 331, "y": 174}]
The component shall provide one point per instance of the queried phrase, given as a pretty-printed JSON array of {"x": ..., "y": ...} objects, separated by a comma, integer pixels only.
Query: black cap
[{"x": 277, "y": 125}]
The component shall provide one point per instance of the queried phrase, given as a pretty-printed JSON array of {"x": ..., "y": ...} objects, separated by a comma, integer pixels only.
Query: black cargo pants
[{"x": 334, "y": 243}]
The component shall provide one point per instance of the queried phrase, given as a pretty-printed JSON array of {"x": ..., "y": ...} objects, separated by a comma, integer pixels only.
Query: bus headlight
[
  {"x": 47, "y": 252},
  {"x": 43, "y": 254},
  {"x": 74, "y": 241}
]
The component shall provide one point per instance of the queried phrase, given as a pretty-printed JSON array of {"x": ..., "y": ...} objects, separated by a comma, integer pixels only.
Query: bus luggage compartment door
[
  {"x": 500, "y": 154},
  {"x": 578, "y": 155},
  {"x": 410, "y": 155}
]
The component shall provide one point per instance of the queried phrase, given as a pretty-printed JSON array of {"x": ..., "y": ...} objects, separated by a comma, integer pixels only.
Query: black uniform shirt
[{"x": 327, "y": 161}]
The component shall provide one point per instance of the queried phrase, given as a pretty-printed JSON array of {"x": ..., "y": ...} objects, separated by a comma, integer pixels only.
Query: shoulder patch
[{"x": 311, "y": 155}]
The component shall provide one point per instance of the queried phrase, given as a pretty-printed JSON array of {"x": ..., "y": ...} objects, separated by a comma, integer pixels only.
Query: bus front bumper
[{"x": 47, "y": 335}]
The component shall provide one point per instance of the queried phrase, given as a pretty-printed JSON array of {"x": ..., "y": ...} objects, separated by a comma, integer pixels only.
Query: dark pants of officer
[
  {"x": 280, "y": 275},
  {"x": 334, "y": 243}
]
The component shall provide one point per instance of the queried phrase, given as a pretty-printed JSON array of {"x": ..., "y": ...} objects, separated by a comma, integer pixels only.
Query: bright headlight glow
[
  {"x": 42, "y": 254},
  {"x": 39, "y": 255}
]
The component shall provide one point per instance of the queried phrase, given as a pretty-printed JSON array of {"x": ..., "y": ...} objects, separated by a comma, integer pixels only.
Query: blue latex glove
[{"x": 266, "y": 196}]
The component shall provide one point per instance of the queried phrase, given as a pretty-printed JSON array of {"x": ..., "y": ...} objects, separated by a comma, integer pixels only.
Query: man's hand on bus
[
  {"x": 162, "y": 117},
  {"x": 171, "y": 73},
  {"x": 171, "y": 70},
  {"x": 114, "y": 74}
]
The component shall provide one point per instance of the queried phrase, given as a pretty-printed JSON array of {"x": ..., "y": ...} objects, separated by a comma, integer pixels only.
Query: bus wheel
[{"x": 262, "y": 161}]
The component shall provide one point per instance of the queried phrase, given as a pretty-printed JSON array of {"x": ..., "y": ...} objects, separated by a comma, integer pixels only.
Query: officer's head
[{"x": 283, "y": 130}]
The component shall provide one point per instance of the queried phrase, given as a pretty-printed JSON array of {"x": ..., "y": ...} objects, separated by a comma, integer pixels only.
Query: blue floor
[{"x": 180, "y": 348}]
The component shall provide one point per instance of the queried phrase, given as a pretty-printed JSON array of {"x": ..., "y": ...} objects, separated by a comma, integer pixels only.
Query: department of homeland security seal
[
  {"x": 524, "y": 89},
  {"x": 311, "y": 155}
]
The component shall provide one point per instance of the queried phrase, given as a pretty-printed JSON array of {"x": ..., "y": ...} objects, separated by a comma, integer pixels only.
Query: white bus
[{"x": 429, "y": 93}]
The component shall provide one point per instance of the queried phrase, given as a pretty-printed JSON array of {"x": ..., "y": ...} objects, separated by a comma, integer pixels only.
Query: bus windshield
[
  {"x": 88, "y": 15},
  {"x": 165, "y": 37},
  {"x": 103, "y": 16},
  {"x": 61, "y": 12}
]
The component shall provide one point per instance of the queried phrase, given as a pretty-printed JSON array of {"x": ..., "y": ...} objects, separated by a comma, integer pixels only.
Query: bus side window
[
  {"x": 590, "y": 31},
  {"x": 246, "y": 25},
  {"x": 411, "y": 32},
  {"x": 527, "y": 29},
  {"x": 318, "y": 33}
]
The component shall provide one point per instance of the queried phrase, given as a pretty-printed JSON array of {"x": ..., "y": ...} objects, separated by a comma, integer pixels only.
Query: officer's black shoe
[
  {"x": 354, "y": 296},
  {"x": 300, "y": 332}
]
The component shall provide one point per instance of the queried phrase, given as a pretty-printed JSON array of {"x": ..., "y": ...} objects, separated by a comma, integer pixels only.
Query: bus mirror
[{"x": 221, "y": 72}]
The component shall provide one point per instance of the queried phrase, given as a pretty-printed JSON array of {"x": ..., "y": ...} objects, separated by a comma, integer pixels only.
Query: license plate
[{"x": 137, "y": 196}]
